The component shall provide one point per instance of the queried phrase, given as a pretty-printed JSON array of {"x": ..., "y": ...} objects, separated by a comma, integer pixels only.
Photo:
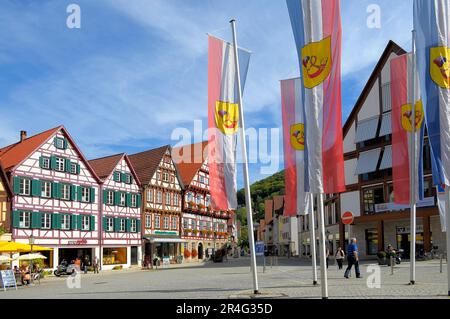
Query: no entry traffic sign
[{"x": 347, "y": 218}]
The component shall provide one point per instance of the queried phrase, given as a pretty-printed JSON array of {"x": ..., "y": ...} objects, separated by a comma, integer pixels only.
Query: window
[
  {"x": 165, "y": 177},
  {"x": 202, "y": 179},
  {"x": 123, "y": 199},
  {"x": 45, "y": 162},
  {"x": 390, "y": 189},
  {"x": 150, "y": 195},
  {"x": 168, "y": 199},
  {"x": 185, "y": 223},
  {"x": 60, "y": 143},
  {"x": 24, "y": 219},
  {"x": 123, "y": 225},
  {"x": 176, "y": 199},
  {"x": 371, "y": 197},
  {"x": 194, "y": 224},
  {"x": 174, "y": 223},
  {"x": 159, "y": 197},
  {"x": 60, "y": 164},
  {"x": 46, "y": 221},
  {"x": 371, "y": 241},
  {"x": 85, "y": 222},
  {"x": 65, "y": 191},
  {"x": 428, "y": 189},
  {"x": 157, "y": 221},
  {"x": 85, "y": 195},
  {"x": 133, "y": 225},
  {"x": 199, "y": 199},
  {"x": 46, "y": 189},
  {"x": 133, "y": 200},
  {"x": 109, "y": 224},
  {"x": 128, "y": 179},
  {"x": 166, "y": 222},
  {"x": 207, "y": 200},
  {"x": 65, "y": 221},
  {"x": 25, "y": 186},
  {"x": 110, "y": 198},
  {"x": 207, "y": 181},
  {"x": 148, "y": 221},
  {"x": 158, "y": 176},
  {"x": 117, "y": 176},
  {"x": 73, "y": 168},
  {"x": 189, "y": 197}
]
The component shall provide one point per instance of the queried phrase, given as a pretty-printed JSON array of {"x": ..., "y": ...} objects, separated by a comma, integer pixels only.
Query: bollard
[
  {"x": 441, "y": 262},
  {"x": 264, "y": 264},
  {"x": 392, "y": 265}
]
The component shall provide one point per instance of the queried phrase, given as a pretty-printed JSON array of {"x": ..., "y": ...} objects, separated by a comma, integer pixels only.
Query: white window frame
[
  {"x": 166, "y": 222},
  {"x": 46, "y": 221},
  {"x": 133, "y": 225},
  {"x": 198, "y": 199},
  {"x": 165, "y": 177},
  {"x": 174, "y": 223},
  {"x": 110, "y": 198},
  {"x": 25, "y": 186},
  {"x": 85, "y": 222},
  {"x": 24, "y": 219},
  {"x": 133, "y": 200},
  {"x": 59, "y": 143},
  {"x": 168, "y": 199},
  {"x": 128, "y": 179},
  {"x": 65, "y": 192},
  {"x": 150, "y": 195},
  {"x": 46, "y": 189},
  {"x": 73, "y": 168},
  {"x": 175, "y": 200},
  {"x": 85, "y": 195},
  {"x": 109, "y": 224},
  {"x": 159, "y": 197},
  {"x": 148, "y": 221},
  {"x": 60, "y": 164},
  {"x": 45, "y": 162},
  {"x": 185, "y": 223},
  {"x": 65, "y": 222},
  {"x": 123, "y": 199},
  {"x": 123, "y": 225},
  {"x": 157, "y": 221}
]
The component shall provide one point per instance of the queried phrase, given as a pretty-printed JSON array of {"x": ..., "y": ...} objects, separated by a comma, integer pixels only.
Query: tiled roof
[
  {"x": 268, "y": 210},
  {"x": 189, "y": 166},
  {"x": 278, "y": 204},
  {"x": 105, "y": 165},
  {"x": 4, "y": 180},
  {"x": 14, "y": 154},
  {"x": 146, "y": 163}
]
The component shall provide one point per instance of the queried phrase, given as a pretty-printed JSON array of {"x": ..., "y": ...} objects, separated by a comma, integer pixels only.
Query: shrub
[
  {"x": 194, "y": 253},
  {"x": 381, "y": 254},
  {"x": 187, "y": 253}
]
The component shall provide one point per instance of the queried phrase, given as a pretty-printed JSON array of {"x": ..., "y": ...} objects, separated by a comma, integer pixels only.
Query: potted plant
[
  {"x": 187, "y": 253},
  {"x": 195, "y": 231},
  {"x": 381, "y": 258},
  {"x": 210, "y": 232},
  {"x": 187, "y": 231},
  {"x": 194, "y": 253}
]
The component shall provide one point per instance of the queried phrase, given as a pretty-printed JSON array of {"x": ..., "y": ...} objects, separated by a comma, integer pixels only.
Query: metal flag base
[
  {"x": 315, "y": 282},
  {"x": 324, "y": 298},
  {"x": 256, "y": 292},
  {"x": 412, "y": 282}
]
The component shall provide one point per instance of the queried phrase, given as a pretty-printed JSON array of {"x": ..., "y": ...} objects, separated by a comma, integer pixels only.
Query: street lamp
[{"x": 31, "y": 241}]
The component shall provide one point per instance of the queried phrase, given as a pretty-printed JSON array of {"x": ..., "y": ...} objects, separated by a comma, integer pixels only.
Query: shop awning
[
  {"x": 386, "y": 126},
  {"x": 366, "y": 129},
  {"x": 167, "y": 240},
  {"x": 367, "y": 161},
  {"x": 12, "y": 247},
  {"x": 386, "y": 162}
]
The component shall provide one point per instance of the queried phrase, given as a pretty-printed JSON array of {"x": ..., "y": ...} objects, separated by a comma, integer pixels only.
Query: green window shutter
[
  {"x": 16, "y": 219},
  {"x": 128, "y": 225},
  {"x": 117, "y": 176},
  {"x": 116, "y": 198},
  {"x": 41, "y": 162},
  {"x": 128, "y": 199},
  {"x": 36, "y": 220},
  {"x": 80, "y": 221},
  {"x": 116, "y": 224},
  {"x": 123, "y": 177},
  {"x": 104, "y": 223},
  {"x": 36, "y": 187},
  {"x": 16, "y": 184},
  {"x": 65, "y": 143},
  {"x": 67, "y": 165},
  {"x": 78, "y": 169},
  {"x": 73, "y": 192},
  {"x": 92, "y": 195},
  {"x": 79, "y": 192},
  {"x": 105, "y": 196},
  {"x": 138, "y": 225},
  {"x": 74, "y": 220},
  {"x": 56, "y": 221},
  {"x": 92, "y": 222},
  {"x": 138, "y": 200},
  {"x": 55, "y": 142},
  {"x": 56, "y": 193},
  {"x": 53, "y": 162}
]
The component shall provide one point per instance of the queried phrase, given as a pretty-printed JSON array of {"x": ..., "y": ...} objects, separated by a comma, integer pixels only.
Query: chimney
[{"x": 23, "y": 135}]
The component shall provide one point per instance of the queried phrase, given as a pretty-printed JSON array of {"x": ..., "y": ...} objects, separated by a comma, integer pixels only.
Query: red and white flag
[
  {"x": 317, "y": 31},
  {"x": 294, "y": 147},
  {"x": 223, "y": 120},
  {"x": 402, "y": 118}
]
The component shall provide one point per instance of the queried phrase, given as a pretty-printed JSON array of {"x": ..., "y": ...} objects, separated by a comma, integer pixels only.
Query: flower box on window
[
  {"x": 195, "y": 231},
  {"x": 204, "y": 232}
]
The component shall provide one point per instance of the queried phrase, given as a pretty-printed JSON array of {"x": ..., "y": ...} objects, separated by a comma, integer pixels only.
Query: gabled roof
[
  {"x": 4, "y": 180},
  {"x": 189, "y": 166},
  {"x": 146, "y": 163},
  {"x": 105, "y": 166},
  {"x": 13, "y": 155},
  {"x": 278, "y": 204},
  {"x": 391, "y": 47}
]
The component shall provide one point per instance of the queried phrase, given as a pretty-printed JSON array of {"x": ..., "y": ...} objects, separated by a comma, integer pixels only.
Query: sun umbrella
[
  {"x": 12, "y": 247},
  {"x": 31, "y": 257}
]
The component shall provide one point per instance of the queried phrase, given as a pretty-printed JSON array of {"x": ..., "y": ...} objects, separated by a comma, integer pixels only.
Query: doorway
[
  {"x": 134, "y": 255},
  {"x": 200, "y": 251}
]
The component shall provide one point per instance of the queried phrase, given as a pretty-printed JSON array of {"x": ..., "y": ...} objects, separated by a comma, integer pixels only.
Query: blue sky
[{"x": 137, "y": 69}]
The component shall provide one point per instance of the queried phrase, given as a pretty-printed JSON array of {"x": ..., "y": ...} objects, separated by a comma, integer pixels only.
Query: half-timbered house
[
  {"x": 203, "y": 229},
  {"x": 55, "y": 195},
  {"x": 120, "y": 229},
  {"x": 161, "y": 204},
  {"x": 5, "y": 206}
]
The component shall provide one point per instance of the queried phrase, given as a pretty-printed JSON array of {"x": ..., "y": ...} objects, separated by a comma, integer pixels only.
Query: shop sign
[
  {"x": 8, "y": 279},
  {"x": 406, "y": 229},
  {"x": 165, "y": 232},
  {"x": 259, "y": 248},
  {"x": 77, "y": 242},
  {"x": 384, "y": 207}
]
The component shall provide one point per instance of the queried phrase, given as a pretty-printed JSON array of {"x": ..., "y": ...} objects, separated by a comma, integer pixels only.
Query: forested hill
[{"x": 262, "y": 190}]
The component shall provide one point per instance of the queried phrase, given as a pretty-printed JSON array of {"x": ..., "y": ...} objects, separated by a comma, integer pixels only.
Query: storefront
[
  {"x": 404, "y": 238},
  {"x": 164, "y": 248},
  {"x": 113, "y": 256},
  {"x": 71, "y": 254}
]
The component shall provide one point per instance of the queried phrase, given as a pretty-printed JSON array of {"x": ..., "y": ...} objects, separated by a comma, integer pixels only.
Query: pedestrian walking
[
  {"x": 95, "y": 264},
  {"x": 353, "y": 259},
  {"x": 327, "y": 254},
  {"x": 340, "y": 255},
  {"x": 86, "y": 263}
]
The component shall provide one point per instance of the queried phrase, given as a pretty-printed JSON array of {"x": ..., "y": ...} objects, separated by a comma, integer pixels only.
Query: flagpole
[
  {"x": 248, "y": 201},
  {"x": 312, "y": 234},
  {"x": 413, "y": 173},
  {"x": 323, "y": 263}
]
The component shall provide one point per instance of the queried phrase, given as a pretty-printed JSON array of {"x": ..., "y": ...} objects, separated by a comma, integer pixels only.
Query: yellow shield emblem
[
  {"x": 440, "y": 66},
  {"x": 298, "y": 136},
  {"x": 227, "y": 117},
  {"x": 407, "y": 116},
  {"x": 316, "y": 62}
]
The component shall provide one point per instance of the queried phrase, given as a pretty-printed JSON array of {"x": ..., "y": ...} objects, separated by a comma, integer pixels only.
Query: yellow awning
[{"x": 13, "y": 247}]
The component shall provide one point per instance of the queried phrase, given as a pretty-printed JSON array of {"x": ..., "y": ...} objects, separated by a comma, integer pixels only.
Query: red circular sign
[{"x": 347, "y": 218}]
